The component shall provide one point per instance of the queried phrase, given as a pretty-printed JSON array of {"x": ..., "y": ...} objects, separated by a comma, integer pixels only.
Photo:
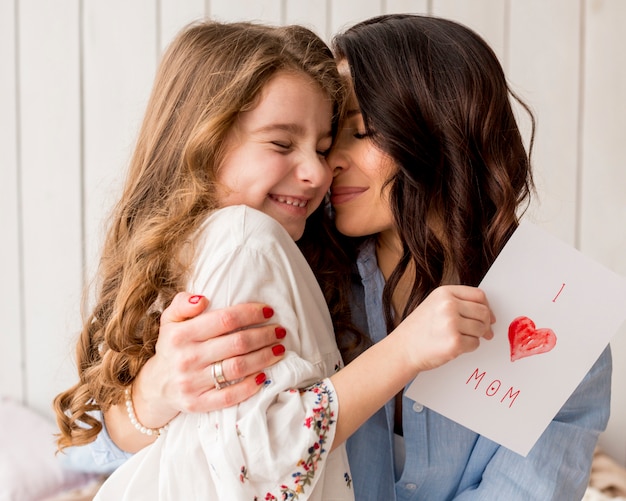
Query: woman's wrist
[{"x": 150, "y": 406}]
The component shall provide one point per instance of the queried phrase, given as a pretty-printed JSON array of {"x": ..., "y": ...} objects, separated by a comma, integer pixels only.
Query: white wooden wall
[{"x": 75, "y": 75}]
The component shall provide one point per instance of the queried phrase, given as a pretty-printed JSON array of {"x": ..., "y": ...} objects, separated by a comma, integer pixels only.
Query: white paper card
[{"x": 508, "y": 390}]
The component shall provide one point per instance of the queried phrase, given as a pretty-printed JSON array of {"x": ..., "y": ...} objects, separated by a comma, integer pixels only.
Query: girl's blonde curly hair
[{"x": 210, "y": 73}]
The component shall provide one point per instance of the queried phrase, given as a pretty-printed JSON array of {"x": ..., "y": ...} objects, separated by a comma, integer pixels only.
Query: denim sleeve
[
  {"x": 99, "y": 456},
  {"x": 558, "y": 466}
]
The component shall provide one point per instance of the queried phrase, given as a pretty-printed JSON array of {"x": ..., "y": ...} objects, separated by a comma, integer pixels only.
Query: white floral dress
[{"x": 276, "y": 445}]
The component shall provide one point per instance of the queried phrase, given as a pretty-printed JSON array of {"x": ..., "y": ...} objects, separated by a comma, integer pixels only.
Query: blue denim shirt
[
  {"x": 445, "y": 461},
  {"x": 99, "y": 456}
]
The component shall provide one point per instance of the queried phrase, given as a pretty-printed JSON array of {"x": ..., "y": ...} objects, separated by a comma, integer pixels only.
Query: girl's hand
[{"x": 450, "y": 321}]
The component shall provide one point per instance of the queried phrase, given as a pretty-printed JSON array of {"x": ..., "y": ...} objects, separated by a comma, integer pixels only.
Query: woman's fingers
[
  {"x": 193, "y": 339},
  {"x": 237, "y": 367},
  {"x": 233, "y": 368},
  {"x": 197, "y": 337},
  {"x": 189, "y": 317},
  {"x": 184, "y": 306},
  {"x": 237, "y": 345},
  {"x": 229, "y": 395}
]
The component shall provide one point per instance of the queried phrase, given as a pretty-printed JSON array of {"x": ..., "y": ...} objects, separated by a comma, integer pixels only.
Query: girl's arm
[{"x": 450, "y": 322}]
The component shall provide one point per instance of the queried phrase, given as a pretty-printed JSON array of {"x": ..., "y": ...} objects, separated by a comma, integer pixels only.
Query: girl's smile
[{"x": 275, "y": 158}]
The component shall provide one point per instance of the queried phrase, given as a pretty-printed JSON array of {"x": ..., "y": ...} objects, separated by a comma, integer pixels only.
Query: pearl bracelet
[{"x": 133, "y": 418}]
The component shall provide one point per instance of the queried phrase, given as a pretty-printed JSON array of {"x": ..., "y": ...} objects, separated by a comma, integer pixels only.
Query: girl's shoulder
[{"x": 240, "y": 224}]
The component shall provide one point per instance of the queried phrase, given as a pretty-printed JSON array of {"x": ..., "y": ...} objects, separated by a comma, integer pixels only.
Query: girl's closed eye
[{"x": 284, "y": 146}]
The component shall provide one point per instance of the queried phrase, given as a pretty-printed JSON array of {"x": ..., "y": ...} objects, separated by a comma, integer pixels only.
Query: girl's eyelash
[
  {"x": 286, "y": 146},
  {"x": 361, "y": 135}
]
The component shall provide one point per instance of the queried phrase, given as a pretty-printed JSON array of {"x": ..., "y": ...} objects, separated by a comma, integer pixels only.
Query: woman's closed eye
[
  {"x": 348, "y": 133},
  {"x": 324, "y": 150}
]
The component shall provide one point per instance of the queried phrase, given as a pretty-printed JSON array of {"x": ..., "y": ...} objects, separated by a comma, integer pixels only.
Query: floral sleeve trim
[{"x": 320, "y": 420}]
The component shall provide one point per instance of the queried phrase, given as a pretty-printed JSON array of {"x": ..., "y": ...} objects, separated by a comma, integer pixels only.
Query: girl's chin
[{"x": 295, "y": 231}]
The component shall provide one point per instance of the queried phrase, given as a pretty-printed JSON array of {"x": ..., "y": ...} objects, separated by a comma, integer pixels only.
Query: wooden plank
[
  {"x": 175, "y": 14},
  {"x": 266, "y": 11},
  {"x": 544, "y": 68},
  {"x": 49, "y": 103},
  {"x": 603, "y": 203},
  {"x": 345, "y": 13},
  {"x": 486, "y": 17},
  {"x": 405, "y": 6},
  {"x": 12, "y": 338},
  {"x": 313, "y": 15},
  {"x": 603, "y": 177},
  {"x": 118, "y": 72}
]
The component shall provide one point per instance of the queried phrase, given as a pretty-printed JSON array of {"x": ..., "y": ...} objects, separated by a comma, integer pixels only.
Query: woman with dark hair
[
  {"x": 430, "y": 179},
  {"x": 431, "y": 161}
]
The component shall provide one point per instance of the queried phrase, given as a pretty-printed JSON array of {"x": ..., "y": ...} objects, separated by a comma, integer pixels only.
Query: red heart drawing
[{"x": 526, "y": 340}]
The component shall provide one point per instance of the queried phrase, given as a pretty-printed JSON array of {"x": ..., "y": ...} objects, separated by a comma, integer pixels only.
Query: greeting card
[{"x": 556, "y": 311}]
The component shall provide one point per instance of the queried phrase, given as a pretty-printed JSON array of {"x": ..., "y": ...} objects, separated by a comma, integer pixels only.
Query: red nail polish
[
  {"x": 195, "y": 299},
  {"x": 279, "y": 349},
  {"x": 267, "y": 312},
  {"x": 260, "y": 379},
  {"x": 281, "y": 332}
]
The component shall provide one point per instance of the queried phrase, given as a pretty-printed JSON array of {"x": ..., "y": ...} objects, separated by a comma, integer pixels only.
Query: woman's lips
[{"x": 341, "y": 195}]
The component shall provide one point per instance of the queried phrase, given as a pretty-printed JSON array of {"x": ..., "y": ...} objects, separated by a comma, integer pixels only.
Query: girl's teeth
[{"x": 292, "y": 202}]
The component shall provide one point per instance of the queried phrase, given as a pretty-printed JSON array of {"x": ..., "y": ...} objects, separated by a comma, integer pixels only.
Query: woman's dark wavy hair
[{"x": 434, "y": 98}]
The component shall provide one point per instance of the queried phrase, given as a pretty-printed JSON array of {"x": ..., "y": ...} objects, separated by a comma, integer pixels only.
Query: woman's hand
[{"x": 178, "y": 378}]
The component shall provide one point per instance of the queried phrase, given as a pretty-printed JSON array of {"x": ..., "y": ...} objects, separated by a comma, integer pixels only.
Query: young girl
[{"x": 229, "y": 164}]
